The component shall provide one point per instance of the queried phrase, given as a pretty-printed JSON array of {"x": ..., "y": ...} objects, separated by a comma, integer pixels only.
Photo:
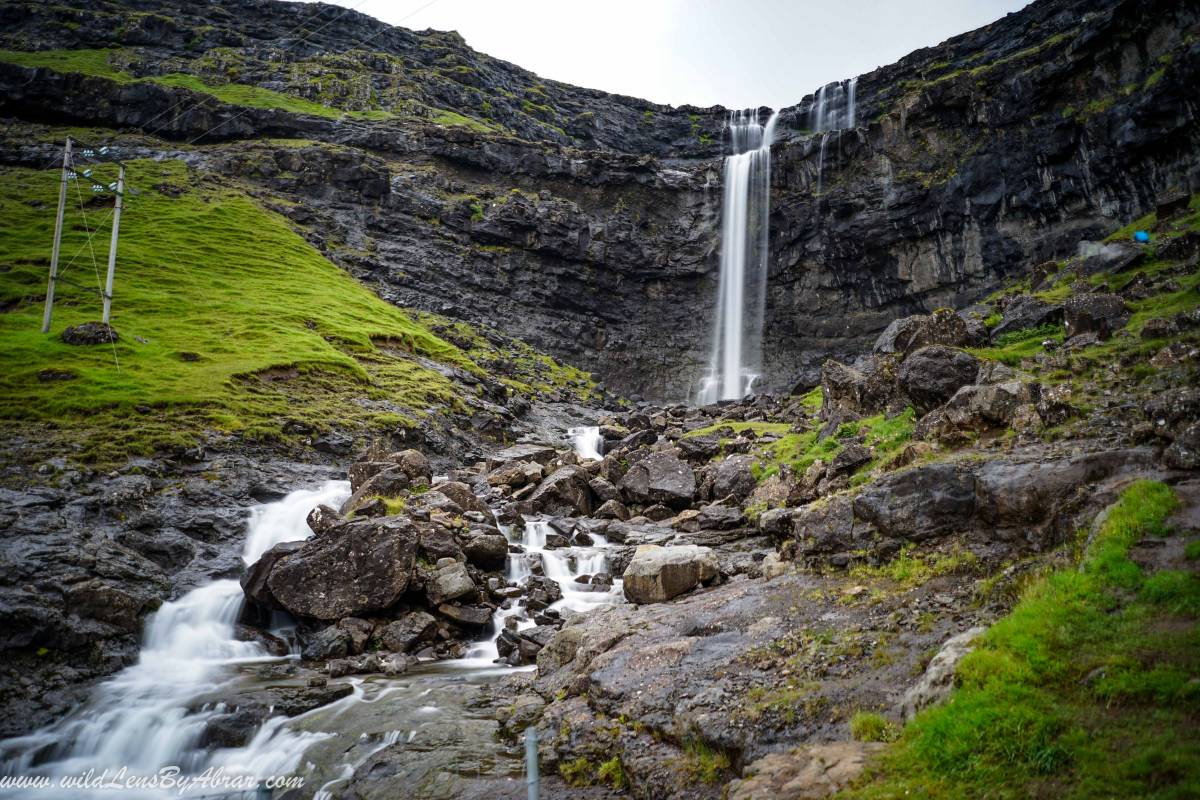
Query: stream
[{"x": 140, "y": 735}]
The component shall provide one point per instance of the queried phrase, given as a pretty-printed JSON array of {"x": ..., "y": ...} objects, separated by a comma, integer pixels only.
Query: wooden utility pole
[
  {"x": 112, "y": 247},
  {"x": 58, "y": 226}
]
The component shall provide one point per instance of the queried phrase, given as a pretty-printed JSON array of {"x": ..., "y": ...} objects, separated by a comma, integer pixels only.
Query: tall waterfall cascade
[
  {"x": 736, "y": 361},
  {"x": 834, "y": 108}
]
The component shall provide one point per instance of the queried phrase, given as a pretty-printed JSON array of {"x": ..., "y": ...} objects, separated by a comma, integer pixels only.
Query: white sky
[{"x": 736, "y": 53}]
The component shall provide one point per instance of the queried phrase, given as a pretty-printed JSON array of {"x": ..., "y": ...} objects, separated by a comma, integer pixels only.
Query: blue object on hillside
[{"x": 1141, "y": 236}]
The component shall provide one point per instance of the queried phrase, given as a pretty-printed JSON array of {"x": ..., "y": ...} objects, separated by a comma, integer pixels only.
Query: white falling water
[
  {"x": 144, "y": 719},
  {"x": 742, "y": 288},
  {"x": 586, "y": 441},
  {"x": 834, "y": 108}
]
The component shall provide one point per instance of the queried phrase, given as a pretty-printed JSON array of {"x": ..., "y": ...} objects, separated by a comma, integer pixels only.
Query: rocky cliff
[{"x": 586, "y": 223}]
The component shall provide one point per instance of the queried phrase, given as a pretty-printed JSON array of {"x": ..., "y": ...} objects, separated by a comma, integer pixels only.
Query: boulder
[
  {"x": 944, "y": 327},
  {"x": 537, "y": 453},
  {"x": 931, "y": 375},
  {"x": 414, "y": 464},
  {"x": 604, "y": 490},
  {"x": 1024, "y": 312},
  {"x": 1101, "y": 314},
  {"x": 467, "y": 616},
  {"x": 734, "y": 478},
  {"x": 362, "y": 471},
  {"x": 867, "y": 388},
  {"x": 329, "y": 642},
  {"x": 449, "y": 582},
  {"x": 359, "y": 631},
  {"x": 808, "y": 772},
  {"x": 90, "y": 333},
  {"x": 700, "y": 448},
  {"x": 463, "y": 497},
  {"x": 487, "y": 551},
  {"x": 323, "y": 518},
  {"x": 404, "y": 634},
  {"x": 938, "y": 680},
  {"x": 850, "y": 458},
  {"x": 612, "y": 509},
  {"x": 660, "y": 477},
  {"x": 920, "y": 503},
  {"x": 566, "y": 492},
  {"x": 656, "y": 574},
  {"x": 365, "y": 565},
  {"x": 254, "y": 582}
]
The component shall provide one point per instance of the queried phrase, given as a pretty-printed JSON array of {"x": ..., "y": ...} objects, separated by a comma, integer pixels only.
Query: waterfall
[
  {"x": 145, "y": 717},
  {"x": 834, "y": 108},
  {"x": 586, "y": 441},
  {"x": 736, "y": 360}
]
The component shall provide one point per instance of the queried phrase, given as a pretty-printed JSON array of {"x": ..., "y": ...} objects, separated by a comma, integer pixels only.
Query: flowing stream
[
  {"x": 736, "y": 360},
  {"x": 152, "y": 716}
]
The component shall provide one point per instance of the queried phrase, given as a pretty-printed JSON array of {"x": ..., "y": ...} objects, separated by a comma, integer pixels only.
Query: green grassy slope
[
  {"x": 1089, "y": 688},
  {"x": 228, "y": 319}
]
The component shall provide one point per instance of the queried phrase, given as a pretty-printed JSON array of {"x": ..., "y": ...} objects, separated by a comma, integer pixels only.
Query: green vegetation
[
  {"x": 1087, "y": 689},
  {"x": 103, "y": 64},
  {"x": 229, "y": 321},
  {"x": 612, "y": 773},
  {"x": 885, "y": 436},
  {"x": 704, "y": 763},
  {"x": 577, "y": 773},
  {"x": 867, "y": 726},
  {"x": 910, "y": 570}
]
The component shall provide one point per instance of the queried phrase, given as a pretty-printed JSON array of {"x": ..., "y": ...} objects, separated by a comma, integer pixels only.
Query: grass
[
  {"x": 1087, "y": 689},
  {"x": 910, "y": 570},
  {"x": 228, "y": 319},
  {"x": 704, "y": 763},
  {"x": 612, "y": 773},
  {"x": 886, "y": 436},
  {"x": 867, "y": 726},
  {"x": 99, "y": 63}
]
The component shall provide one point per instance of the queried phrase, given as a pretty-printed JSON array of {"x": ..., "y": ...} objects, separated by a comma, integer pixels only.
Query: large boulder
[
  {"x": 359, "y": 567},
  {"x": 656, "y": 574},
  {"x": 944, "y": 327},
  {"x": 660, "y": 478},
  {"x": 734, "y": 478},
  {"x": 463, "y": 497},
  {"x": 254, "y": 582},
  {"x": 414, "y": 464},
  {"x": 1026, "y": 311},
  {"x": 931, "y": 375},
  {"x": 807, "y": 772},
  {"x": 1101, "y": 314},
  {"x": 565, "y": 492},
  {"x": 978, "y": 408},
  {"x": 488, "y": 551},
  {"x": 938, "y": 680},
  {"x": 919, "y": 503},
  {"x": 868, "y": 388},
  {"x": 449, "y": 581}
]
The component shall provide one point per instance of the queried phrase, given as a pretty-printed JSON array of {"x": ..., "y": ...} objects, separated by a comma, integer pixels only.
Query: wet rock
[
  {"x": 359, "y": 631},
  {"x": 920, "y": 503},
  {"x": 1026, "y": 311},
  {"x": 808, "y": 772},
  {"x": 487, "y": 551},
  {"x": 414, "y": 464},
  {"x": 612, "y": 509},
  {"x": 566, "y": 492},
  {"x": 659, "y": 478},
  {"x": 254, "y": 582},
  {"x": 931, "y": 375},
  {"x": 938, "y": 680},
  {"x": 449, "y": 582},
  {"x": 462, "y": 496},
  {"x": 404, "y": 634},
  {"x": 1101, "y": 314},
  {"x": 323, "y": 518},
  {"x": 329, "y": 642},
  {"x": 470, "y": 616},
  {"x": 656, "y": 574},
  {"x": 734, "y": 478},
  {"x": 362, "y": 566}
]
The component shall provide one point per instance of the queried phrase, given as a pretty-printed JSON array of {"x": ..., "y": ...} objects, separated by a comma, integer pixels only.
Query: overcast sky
[{"x": 736, "y": 53}]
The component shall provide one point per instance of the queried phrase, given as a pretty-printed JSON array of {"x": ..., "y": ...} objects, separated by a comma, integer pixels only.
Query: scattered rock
[{"x": 656, "y": 574}]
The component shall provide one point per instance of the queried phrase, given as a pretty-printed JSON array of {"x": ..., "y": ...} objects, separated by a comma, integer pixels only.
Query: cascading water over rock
[
  {"x": 742, "y": 289},
  {"x": 834, "y": 108}
]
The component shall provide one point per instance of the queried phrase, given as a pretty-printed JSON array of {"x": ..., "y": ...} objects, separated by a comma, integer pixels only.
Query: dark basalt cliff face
[{"x": 586, "y": 223}]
